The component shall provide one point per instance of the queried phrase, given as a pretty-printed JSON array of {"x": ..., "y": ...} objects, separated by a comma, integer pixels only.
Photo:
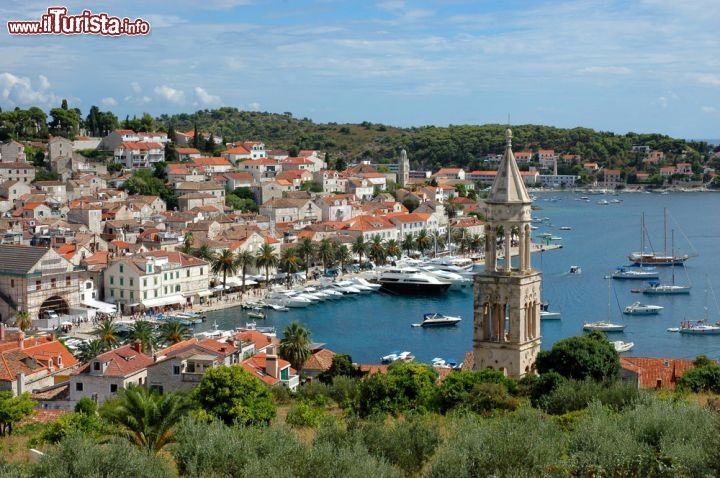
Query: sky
[{"x": 643, "y": 66}]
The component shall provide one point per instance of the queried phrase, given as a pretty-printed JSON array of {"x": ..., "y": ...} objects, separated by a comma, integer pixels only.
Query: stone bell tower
[
  {"x": 507, "y": 296},
  {"x": 403, "y": 169}
]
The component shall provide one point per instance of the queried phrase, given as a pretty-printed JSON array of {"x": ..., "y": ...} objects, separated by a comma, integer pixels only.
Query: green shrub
[
  {"x": 75, "y": 456},
  {"x": 303, "y": 414},
  {"x": 314, "y": 392}
]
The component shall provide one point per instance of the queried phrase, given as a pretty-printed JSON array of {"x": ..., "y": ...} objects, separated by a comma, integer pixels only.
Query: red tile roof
[{"x": 654, "y": 372}]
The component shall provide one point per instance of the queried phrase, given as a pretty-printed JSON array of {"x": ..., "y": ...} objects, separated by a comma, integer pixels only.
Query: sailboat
[
  {"x": 606, "y": 325},
  {"x": 658, "y": 288},
  {"x": 643, "y": 257},
  {"x": 701, "y": 327}
]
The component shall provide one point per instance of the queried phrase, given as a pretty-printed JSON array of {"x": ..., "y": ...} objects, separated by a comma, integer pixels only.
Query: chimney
[
  {"x": 21, "y": 339},
  {"x": 271, "y": 363},
  {"x": 2, "y": 332},
  {"x": 137, "y": 346},
  {"x": 20, "y": 383}
]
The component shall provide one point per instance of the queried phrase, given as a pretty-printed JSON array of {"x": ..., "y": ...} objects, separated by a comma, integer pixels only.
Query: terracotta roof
[
  {"x": 121, "y": 362},
  {"x": 319, "y": 360},
  {"x": 652, "y": 372},
  {"x": 40, "y": 351},
  {"x": 257, "y": 365}
]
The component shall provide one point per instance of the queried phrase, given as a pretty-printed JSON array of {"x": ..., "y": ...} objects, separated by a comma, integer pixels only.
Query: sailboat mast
[{"x": 665, "y": 232}]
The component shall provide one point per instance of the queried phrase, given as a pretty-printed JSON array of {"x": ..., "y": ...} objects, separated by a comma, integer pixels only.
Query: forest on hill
[{"x": 428, "y": 147}]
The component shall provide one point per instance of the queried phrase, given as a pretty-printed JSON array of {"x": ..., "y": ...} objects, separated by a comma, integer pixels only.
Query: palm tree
[
  {"x": 89, "y": 349},
  {"x": 326, "y": 253},
  {"x": 22, "y": 320},
  {"x": 360, "y": 247},
  {"x": 342, "y": 255},
  {"x": 376, "y": 250},
  {"x": 290, "y": 263},
  {"x": 295, "y": 345},
  {"x": 172, "y": 332},
  {"x": 188, "y": 242},
  {"x": 477, "y": 242},
  {"x": 244, "y": 259},
  {"x": 203, "y": 252},
  {"x": 145, "y": 418},
  {"x": 142, "y": 331},
  {"x": 266, "y": 258},
  {"x": 438, "y": 240},
  {"x": 422, "y": 241},
  {"x": 392, "y": 249},
  {"x": 225, "y": 263},
  {"x": 106, "y": 333},
  {"x": 307, "y": 250},
  {"x": 408, "y": 243}
]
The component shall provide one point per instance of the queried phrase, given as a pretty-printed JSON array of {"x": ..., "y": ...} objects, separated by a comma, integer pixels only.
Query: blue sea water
[{"x": 369, "y": 326}]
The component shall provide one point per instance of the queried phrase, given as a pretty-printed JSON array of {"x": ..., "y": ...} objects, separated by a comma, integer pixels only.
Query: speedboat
[
  {"x": 547, "y": 315},
  {"x": 410, "y": 280},
  {"x": 621, "y": 346},
  {"x": 635, "y": 273},
  {"x": 346, "y": 287},
  {"x": 638, "y": 308},
  {"x": 435, "y": 319},
  {"x": 458, "y": 281},
  {"x": 397, "y": 357},
  {"x": 604, "y": 326},
  {"x": 575, "y": 270},
  {"x": 361, "y": 282}
]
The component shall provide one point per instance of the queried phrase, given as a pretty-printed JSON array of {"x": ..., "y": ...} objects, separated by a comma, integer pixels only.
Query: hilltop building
[{"x": 506, "y": 298}]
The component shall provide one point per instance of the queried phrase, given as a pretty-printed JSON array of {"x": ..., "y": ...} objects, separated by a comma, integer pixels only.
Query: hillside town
[{"x": 81, "y": 249}]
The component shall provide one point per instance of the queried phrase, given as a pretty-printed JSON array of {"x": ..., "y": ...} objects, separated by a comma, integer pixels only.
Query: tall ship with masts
[{"x": 651, "y": 258}]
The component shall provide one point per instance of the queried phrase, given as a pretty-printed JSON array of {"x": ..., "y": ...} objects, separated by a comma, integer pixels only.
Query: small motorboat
[
  {"x": 256, "y": 314},
  {"x": 397, "y": 357},
  {"x": 575, "y": 270},
  {"x": 621, "y": 346},
  {"x": 638, "y": 308},
  {"x": 435, "y": 319},
  {"x": 604, "y": 326}
]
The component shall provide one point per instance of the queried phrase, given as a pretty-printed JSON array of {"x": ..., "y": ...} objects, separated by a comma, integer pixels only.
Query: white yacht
[
  {"x": 346, "y": 287},
  {"x": 411, "y": 280},
  {"x": 364, "y": 283},
  {"x": 458, "y": 281}
]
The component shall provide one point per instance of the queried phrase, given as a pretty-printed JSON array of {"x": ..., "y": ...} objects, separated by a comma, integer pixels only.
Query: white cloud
[
  {"x": 108, "y": 101},
  {"x": 611, "y": 70},
  {"x": 206, "y": 98},
  {"x": 707, "y": 79},
  {"x": 141, "y": 100},
  {"x": 254, "y": 106},
  {"x": 663, "y": 102},
  {"x": 44, "y": 82},
  {"x": 169, "y": 94},
  {"x": 19, "y": 91},
  {"x": 135, "y": 87},
  {"x": 708, "y": 109}
]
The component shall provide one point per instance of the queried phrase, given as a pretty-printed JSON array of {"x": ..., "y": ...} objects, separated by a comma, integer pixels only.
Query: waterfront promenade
[{"x": 235, "y": 299}]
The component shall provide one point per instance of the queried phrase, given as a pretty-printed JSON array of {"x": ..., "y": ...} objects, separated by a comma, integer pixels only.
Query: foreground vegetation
[{"x": 574, "y": 419}]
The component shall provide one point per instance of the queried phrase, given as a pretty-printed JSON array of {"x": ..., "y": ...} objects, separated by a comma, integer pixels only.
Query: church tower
[
  {"x": 507, "y": 297},
  {"x": 403, "y": 169}
]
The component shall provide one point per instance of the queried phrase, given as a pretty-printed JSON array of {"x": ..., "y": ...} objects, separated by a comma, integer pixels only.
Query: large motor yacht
[{"x": 410, "y": 280}]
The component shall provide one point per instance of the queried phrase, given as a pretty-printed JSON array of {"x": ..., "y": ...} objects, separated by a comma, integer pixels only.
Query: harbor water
[{"x": 595, "y": 236}]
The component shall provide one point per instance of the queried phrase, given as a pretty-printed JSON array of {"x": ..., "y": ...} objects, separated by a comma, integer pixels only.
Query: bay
[{"x": 601, "y": 236}]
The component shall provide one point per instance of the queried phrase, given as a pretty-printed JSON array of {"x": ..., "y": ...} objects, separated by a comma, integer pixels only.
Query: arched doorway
[{"x": 56, "y": 304}]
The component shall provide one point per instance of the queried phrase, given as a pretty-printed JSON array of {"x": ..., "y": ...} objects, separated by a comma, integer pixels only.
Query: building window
[
  {"x": 113, "y": 388},
  {"x": 131, "y": 282},
  {"x": 177, "y": 274},
  {"x": 122, "y": 293},
  {"x": 144, "y": 294},
  {"x": 12, "y": 282},
  {"x": 132, "y": 294},
  {"x": 176, "y": 369},
  {"x": 38, "y": 285},
  {"x": 78, "y": 387},
  {"x": 121, "y": 268},
  {"x": 67, "y": 281},
  {"x": 201, "y": 271},
  {"x": 187, "y": 273},
  {"x": 122, "y": 281},
  {"x": 112, "y": 280},
  {"x": 96, "y": 365},
  {"x": 53, "y": 283},
  {"x": 144, "y": 282},
  {"x": 177, "y": 288}
]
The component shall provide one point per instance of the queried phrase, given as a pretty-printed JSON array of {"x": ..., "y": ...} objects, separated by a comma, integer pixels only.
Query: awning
[
  {"x": 205, "y": 293},
  {"x": 167, "y": 300},
  {"x": 100, "y": 305}
]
